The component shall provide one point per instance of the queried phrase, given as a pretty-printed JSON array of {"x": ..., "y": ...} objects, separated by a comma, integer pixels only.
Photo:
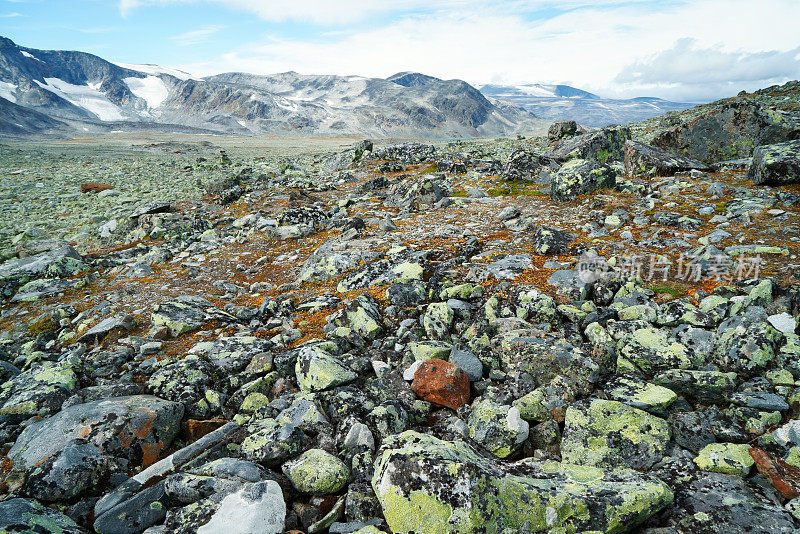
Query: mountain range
[
  {"x": 562, "y": 102},
  {"x": 64, "y": 92}
]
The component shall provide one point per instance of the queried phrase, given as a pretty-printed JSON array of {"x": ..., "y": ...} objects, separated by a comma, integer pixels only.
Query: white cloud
[
  {"x": 10, "y": 15},
  {"x": 611, "y": 47},
  {"x": 195, "y": 37},
  {"x": 332, "y": 12}
]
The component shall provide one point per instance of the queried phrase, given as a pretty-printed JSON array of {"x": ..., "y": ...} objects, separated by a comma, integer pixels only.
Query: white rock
[
  {"x": 255, "y": 508},
  {"x": 408, "y": 374},
  {"x": 783, "y": 322},
  {"x": 517, "y": 424}
]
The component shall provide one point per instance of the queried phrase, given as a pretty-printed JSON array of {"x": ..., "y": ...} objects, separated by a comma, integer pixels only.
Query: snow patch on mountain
[
  {"x": 152, "y": 89},
  {"x": 27, "y": 54},
  {"x": 87, "y": 97},
  {"x": 156, "y": 70},
  {"x": 6, "y": 91}
]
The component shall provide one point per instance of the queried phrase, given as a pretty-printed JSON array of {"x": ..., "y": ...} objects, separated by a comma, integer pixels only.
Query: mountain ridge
[{"x": 89, "y": 93}]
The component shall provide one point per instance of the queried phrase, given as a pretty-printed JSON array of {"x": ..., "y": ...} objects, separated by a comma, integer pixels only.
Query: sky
[{"x": 681, "y": 50}]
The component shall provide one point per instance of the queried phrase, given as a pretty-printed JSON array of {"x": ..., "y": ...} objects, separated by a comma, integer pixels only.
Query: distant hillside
[
  {"x": 562, "y": 102},
  {"x": 87, "y": 93}
]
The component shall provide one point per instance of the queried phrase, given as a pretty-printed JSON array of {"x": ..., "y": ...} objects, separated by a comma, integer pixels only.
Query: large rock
[
  {"x": 497, "y": 428},
  {"x": 38, "y": 391},
  {"x": 417, "y": 194},
  {"x": 726, "y": 132},
  {"x": 59, "y": 263},
  {"x": 317, "y": 370},
  {"x": 29, "y": 517},
  {"x": 132, "y": 430},
  {"x": 776, "y": 164},
  {"x": 644, "y": 160},
  {"x": 579, "y": 177},
  {"x": 426, "y": 485},
  {"x": 745, "y": 344},
  {"x": 609, "y": 433},
  {"x": 256, "y": 507},
  {"x": 442, "y": 383},
  {"x": 603, "y": 146}
]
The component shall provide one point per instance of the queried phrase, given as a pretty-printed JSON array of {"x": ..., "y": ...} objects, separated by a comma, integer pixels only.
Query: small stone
[
  {"x": 441, "y": 383},
  {"x": 726, "y": 458},
  {"x": 317, "y": 472}
]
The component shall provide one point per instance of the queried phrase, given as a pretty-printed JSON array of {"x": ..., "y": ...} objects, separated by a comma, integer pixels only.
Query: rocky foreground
[{"x": 590, "y": 332}]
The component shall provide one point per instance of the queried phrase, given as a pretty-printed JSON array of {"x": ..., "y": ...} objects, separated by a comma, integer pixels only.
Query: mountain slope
[
  {"x": 562, "y": 102},
  {"x": 91, "y": 93}
]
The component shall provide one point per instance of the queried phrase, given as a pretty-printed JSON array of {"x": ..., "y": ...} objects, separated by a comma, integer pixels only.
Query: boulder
[
  {"x": 497, "y": 428},
  {"x": 441, "y": 383},
  {"x": 317, "y": 472},
  {"x": 29, "y": 517},
  {"x": 417, "y": 194},
  {"x": 133, "y": 430},
  {"x": 729, "y": 131},
  {"x": 561, "y": 129},
  {"x": 776, "y": 164},
  {"x": 60, "y": 263},
  {"x": 318, "y": 370},
  {"x": 603, "y": 146},
  {"x": 426, "y": 485},
  {"x": 644, "y": 160},
  {"x": 39, "y": 391},
  {"x": 579, "y": 177},
  {"x": 612, "y": 434}
]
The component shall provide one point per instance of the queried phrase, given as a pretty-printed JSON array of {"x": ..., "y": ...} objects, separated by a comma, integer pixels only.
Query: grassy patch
[
  {"x": 460, "y": 193},
  {"x": 430, "y": 169},
  {"x": 676, "y": 289},
  {"x": 515, "y": 188}
]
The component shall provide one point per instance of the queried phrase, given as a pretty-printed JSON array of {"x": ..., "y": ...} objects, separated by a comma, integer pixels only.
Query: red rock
[
  {"x": 94, "y": 187},
  {"x": 195, "y": 429},
  {"x": 783, "y": 476},
  {"x": 441, "y": 383}
]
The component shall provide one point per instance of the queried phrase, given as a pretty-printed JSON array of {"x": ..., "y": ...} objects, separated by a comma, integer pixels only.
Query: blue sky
[{"x": 689, "y": 50}]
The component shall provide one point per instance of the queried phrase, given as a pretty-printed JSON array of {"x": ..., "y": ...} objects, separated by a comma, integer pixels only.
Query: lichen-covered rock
[
  {"x": 604, "y": 146},
  {"x": 745, "y": 344},
  {"x": 60, "y": 263},
  {"x": 546, "y": 357},
  {"x": 610, "y": 433},
  {"x": 24, "y": 516},
  {"x": 709, "y": 386},
  {"x": 651, "y": 350},
  {"x": 39, "y": 391},
  {"x": 550, "y": 241},
  {"x": 274, "y": 442},
  {"x": 639, "y": 394},
  {"x": 417, "y": 194},
  {"x": 776, "y": 164},
  {"x": 536, "y": 307},
  {"x": 727, "y": 458},
  {"x": 233, "y": 354},
  {"x": 521, "y": 165},
  {"x": 645, "y": 160},
  {"x": 498, "y": 429},
  {"x": 562, "y": 129},
  {"x": 579, "y": 177},
  {"x": 318, "y": 370},
  {"x": 725, "y": 132},
  {"x": 181, "y": 315},
  {"x": 429, "y": 486},
  {"x": 133, "y": 430},
  {"x": 437, "y": 320},
  {"x": 317, "y": 472},
  {"x": 189, "y": 381}
]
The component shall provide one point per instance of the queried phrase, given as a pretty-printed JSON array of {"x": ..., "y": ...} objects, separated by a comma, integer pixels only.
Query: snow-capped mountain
[
  {"x": 562, "y": 102},
  {"x": 85, "y": 92}
]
